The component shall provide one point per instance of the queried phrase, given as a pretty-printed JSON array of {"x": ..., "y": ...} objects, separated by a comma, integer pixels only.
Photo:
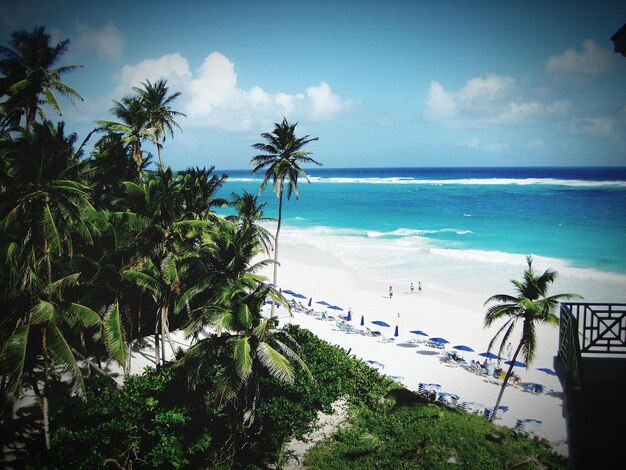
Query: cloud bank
[
  {"x": 211, "y": 97},
  {"x": 485, "y": 102},
  {"x": 591, "y": 60}
]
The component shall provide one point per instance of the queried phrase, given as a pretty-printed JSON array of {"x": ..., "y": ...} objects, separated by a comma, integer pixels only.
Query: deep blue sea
[{"x": 392, "y": 222}]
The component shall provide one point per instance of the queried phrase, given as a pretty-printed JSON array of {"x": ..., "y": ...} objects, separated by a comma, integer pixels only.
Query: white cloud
[
  {"x": 591, "y": 60},
  {"x": 212, "y": 98},
  {"x": 486, "y": 89},
  {"x": 490, "y": 147},
  {"x": 599, "y": 126},
  {"x": 440, "y": 104},
  {"x": 485, "y": 102},
  {"x": 172, "y": 67},
  {"x": 107, "y": 42}
]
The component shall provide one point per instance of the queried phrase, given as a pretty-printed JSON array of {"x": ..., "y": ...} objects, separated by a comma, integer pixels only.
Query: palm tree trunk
[
  {"x": 163, "y": 312},
  {"x": 139, "y": 319},
  {"x": 280, "y": 219},
  {"x": 506, "y": 381},
  {"x": 44, "y": 345},
  {"x": 127, "y": 343},
  {"x": 44, "y": 407},
  {"x": 156, "y": 342},
  {"x": 166, "y": 322}
]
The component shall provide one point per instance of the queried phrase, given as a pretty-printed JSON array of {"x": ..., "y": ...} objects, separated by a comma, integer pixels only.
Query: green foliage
[
  {"x": 141, "y": 425},
  {"x": 429, "y": 436}
]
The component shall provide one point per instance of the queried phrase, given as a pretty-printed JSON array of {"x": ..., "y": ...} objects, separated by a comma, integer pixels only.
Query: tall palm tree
[
  {"x": 30, "y": 77},
  {"x": 531, "y": 306},
  {"x": 134, "y": 125},
  {"x": 157, "y": 103},
  {"x": 281, "y": 159}
]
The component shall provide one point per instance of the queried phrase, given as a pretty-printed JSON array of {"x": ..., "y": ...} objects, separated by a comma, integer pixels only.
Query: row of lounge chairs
[{"x": 433, "y": 392}]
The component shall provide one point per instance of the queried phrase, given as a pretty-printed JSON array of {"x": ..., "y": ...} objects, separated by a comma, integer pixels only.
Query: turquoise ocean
[{"x": 462, "y": 229}]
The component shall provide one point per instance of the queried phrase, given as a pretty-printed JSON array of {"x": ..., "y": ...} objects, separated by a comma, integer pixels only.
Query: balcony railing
[{"x": 590, "y": 329}]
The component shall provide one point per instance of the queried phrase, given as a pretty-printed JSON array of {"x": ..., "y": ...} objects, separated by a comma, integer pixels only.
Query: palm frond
[
  {"x": 12, "y": 360},
  {"x": 42, "y": 312},
  {"x": 83, "y": 314},
  {"x": 114, "y": 334},
  {"x": 277, "y": 365},
  {"x": 61, "y": 354},
  {"x": 242, "y": 356},
  {"x": 291, "y": 354}
]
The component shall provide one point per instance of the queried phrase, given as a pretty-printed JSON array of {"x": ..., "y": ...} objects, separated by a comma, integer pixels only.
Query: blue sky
[{"x": 395, "y": 83}]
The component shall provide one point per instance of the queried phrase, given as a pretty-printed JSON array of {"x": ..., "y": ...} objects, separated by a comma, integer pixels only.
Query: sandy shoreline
[{"x": 458, "y": 318}]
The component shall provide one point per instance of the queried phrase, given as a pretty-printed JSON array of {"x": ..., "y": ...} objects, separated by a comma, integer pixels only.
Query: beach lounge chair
[
  {"x": 473, "y": 407},
  {"x": 375, "y": 364},
  {"x": 501, "y": 410},
  {"x": 448, "y": 398},
  {"x": 429, "y": 390},
  {"x": 533, "y": 388},
  {"x": 373, "y": 333},
  {"x": 527, "y": 425}
]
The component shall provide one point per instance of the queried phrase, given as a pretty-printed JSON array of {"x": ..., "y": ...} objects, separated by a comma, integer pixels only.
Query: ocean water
[{"x": 463, "y": 229}]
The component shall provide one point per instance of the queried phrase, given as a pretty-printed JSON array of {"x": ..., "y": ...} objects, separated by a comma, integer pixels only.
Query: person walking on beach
[
  {"x": 390, "y": 292},
  {"x": 412, "y": 288},
  {"x": 419, "y": 287}
]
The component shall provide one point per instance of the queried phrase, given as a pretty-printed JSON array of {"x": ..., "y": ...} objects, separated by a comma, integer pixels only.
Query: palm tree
[
  {"x": 134, "y": 125},
  {"x": 281, "y": 159},
  {"x": 28, "y": 67},
  {"x": 253, "y": 342},
  {"x": 249, "y": 215},
  {"x": 199, "y": 190},
  {"x": 156, "y": 101},
  {"x": 531, "y": 306}
]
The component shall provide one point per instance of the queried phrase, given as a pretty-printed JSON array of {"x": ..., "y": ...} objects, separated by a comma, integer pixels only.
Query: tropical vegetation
[
  {"x": 99, "y": 254},
  {"x": 531, "y": 306}
]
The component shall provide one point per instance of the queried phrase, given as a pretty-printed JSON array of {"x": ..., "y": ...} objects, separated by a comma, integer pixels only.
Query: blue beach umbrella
[
  {"x": 489, "y": 355},
  {"x": 349, "y": 316},
  {"x": 395, "y": 333},
  {"x": 462, "y": 347},
  {"x": 516, "y": 363},
  {"x": 362, "y": 320},
  {"x": 299, "y": 296},
  {"x": 335, "y": 307},
  {"x": 380, "y": 323},
  {"x": 323, "y": 302},
  {"x": 290, "y": 292},
  {"x": 310, "y": 301},
  {"x": 418, "y": 332},
  {"x": 546, "y": 370}
]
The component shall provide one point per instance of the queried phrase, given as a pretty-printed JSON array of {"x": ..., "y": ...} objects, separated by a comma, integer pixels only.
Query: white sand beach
[{"x": 456, "y": 317}]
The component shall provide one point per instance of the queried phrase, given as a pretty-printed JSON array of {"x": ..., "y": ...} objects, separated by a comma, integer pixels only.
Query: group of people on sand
[{"x": 411, "y": 289}]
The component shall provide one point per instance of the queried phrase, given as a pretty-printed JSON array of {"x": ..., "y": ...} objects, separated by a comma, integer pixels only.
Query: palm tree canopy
[
  {"x": 157, "y": 103},
  {"x": 282, "y": 156},
  {"x": 28, "y": 73},
  {"x": 133, "y": 125}
]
